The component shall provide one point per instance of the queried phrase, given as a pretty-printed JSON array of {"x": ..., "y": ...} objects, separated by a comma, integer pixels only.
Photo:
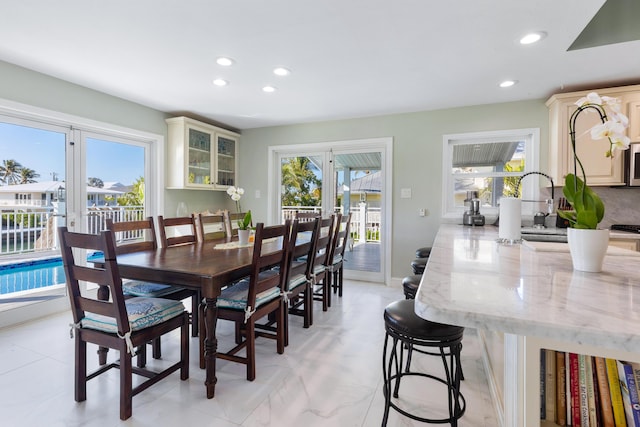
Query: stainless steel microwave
[{"x": 632, "y": 165}]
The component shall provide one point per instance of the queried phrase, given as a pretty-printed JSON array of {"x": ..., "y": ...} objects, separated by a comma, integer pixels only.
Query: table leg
[{"x": 210, "y": 345}]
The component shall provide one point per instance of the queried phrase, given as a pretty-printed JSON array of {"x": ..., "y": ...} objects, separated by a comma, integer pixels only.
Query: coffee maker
[{"x": 471, "y": 214}]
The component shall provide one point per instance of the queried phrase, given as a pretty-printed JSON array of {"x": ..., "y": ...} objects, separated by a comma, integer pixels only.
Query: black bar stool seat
[
  {"x": 418, "y": 265},
  {"x": 410, "y": 285},
  {"x": 406, "y": 329},
  {"x": 423, "y": 252}
]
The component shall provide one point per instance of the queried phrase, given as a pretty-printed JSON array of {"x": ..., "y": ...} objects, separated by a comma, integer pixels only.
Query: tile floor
[{"x": 330, "y": 375}]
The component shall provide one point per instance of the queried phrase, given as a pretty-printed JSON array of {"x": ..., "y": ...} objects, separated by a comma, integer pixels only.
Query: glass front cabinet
[{"x": 201, "y": 156}]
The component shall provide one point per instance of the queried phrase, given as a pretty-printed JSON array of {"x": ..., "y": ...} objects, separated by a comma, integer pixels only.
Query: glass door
[{"x": 301, "y": 183}]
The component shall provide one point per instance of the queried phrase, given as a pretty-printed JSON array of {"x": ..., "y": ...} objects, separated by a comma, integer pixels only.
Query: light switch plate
[
  {"x": 258, "y": 194},
  {"x": 405, "y": 193}
]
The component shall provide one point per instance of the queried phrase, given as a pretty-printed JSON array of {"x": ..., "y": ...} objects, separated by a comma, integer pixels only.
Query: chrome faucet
[{"x": 539, "y": 217}]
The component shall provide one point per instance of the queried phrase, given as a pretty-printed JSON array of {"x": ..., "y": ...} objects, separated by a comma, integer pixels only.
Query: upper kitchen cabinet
[
  {"x": 600, "y": 170},
  {"x": 201, "y": 156}
]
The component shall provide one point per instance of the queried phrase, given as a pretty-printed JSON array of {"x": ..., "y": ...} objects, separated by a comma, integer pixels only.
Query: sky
[{"x": 43, "y": 151}]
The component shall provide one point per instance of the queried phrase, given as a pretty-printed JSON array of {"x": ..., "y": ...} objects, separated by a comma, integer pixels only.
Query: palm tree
[
  {"x": 301, "y": 185},
  {"x": 10, "y": 172},
  {"x": 135, "y": 197},
  {"x": 28, "y": 176}
]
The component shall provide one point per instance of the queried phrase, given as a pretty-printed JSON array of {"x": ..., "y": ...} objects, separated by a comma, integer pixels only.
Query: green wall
[{"x": 417, "y": 159}]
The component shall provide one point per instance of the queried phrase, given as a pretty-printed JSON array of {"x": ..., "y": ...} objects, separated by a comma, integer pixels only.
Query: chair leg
[
  {"x": 81, "y": 369},
  {"x": 308, "y": 305},
  {"x": 327, "y": 288},
  {"x": 184, "y": 349},
  {"x": 142, "y": 356},
  {"x": 156, "y": 348},
  {"x": 195, "y": 323},
  {"x": 251, "y": 349},
  {"x": 281, "y": 339},
  {"x": 340, "y": 274},
  {"x": 126, "y": 383}
]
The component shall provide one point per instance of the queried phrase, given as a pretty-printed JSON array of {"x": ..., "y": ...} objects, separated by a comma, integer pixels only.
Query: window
[{"x": 491, "y": 164}]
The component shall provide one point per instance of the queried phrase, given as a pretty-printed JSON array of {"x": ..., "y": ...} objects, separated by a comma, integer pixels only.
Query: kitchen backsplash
[{"x": 622, "y": 205}]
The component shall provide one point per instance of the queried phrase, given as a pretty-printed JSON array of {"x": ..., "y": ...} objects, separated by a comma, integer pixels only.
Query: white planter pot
[
  {"x": 588, "y": 248},
  {"x": 243, "y": 237}
]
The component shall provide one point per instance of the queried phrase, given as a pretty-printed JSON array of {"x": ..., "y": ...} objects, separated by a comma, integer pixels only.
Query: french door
[
  {"x": 350, "y": 177},
  {"x": 58, "y": 174}
]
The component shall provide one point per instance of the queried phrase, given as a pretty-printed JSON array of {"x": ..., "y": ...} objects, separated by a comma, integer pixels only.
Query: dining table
[{"x": 208, "y": 266}]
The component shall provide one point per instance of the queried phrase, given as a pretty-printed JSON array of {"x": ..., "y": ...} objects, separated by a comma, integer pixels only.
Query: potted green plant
[{"x": 587, "y": 207}]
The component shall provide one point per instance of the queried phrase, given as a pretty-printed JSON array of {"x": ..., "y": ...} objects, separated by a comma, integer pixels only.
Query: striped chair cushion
[
  {"x": 235, "y": 296},
  {"x": 142, "y": 312},
  {"x": 140, "y": 288},
  {"x": 297, "y": 280}
]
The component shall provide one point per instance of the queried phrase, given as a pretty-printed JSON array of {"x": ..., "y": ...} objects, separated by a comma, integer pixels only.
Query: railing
[
  {"x": 30, "y": 230},
  {"x": 365, "y": 220}
]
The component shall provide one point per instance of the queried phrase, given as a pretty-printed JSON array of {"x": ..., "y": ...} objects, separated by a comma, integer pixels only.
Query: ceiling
[{"x": 348, "y": 59}]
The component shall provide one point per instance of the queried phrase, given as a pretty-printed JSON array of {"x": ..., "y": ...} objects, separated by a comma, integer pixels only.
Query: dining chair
[
  {"x": 136, "y": 236},
  {"x": 182, "y": 231},
  {"x": 300, "y": 256},
  {"x": 117, "y": 323},
  {"x": 257, "y": 296},
  {"x": 335, "y": 261},
  {"x": 211, "y": 226},
  {"x": 319, "y": 274},
  {"x": 232, "y": 219}
]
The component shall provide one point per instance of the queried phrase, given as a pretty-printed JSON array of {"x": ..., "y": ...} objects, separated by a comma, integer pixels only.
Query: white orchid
[{"x": 236, "y": 194}]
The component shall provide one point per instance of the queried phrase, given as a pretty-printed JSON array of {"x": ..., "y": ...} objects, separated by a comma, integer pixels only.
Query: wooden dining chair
[
  {"x": 136, "y": 236},
  {"x": 257, "y": 296},
  {"x": 300, "y": 256},
  {"x": 117, "y": 323},
  {"x": 335, "y": 261},
  {"x": 319, "y": 272},
  {"x": 211, "y": 226},
  {"x": 182, "y": 231}
]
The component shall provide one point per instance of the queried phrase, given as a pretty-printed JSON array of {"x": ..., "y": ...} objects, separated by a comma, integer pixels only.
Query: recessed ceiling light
[
  {"x": 269, "y": 89},
  {"x": 281, "y": 71},
  {"x": 533, "y": 37},
  {"x": 220, "y": 82},
  {"x": 224, "y": 61},
  {"x": 508, "y": 83}
]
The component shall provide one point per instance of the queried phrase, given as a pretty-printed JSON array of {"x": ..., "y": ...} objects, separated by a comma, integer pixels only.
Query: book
[
  {"x": 591, "y": 393},
  {"x": 604, "y": 395},
  {"x": 629, "y": 393},
  {"x": 616, "y": 394},
  {"x": 584, "y": 399},
  {"x": 543, "y": 377},
  {"x": 561, "y": 389},
  {"x": 567, "y": 380},
  {"x": 575, "y": 390},
  {"x": 550, "y": 385}
]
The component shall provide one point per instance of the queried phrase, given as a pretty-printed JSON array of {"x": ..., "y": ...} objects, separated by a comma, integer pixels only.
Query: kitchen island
[{"x": 522, "y": 300}]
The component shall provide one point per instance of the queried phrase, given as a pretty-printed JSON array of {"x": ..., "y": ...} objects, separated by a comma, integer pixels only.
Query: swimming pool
[{"x": 29, "y": 275}]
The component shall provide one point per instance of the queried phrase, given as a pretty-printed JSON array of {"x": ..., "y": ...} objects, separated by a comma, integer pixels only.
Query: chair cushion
[
  {"x": 297, "y": 280},
  {"x": 140, "y": 288},
  {"x": 142, "y": 312},
  {"x": 235, "y": 296},
  {"x": 318, "y": 269},
  {"x": 337, "y": 259}
]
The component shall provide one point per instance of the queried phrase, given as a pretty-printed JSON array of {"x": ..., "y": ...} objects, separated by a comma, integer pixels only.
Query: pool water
[{"x": 31, "y": 275}]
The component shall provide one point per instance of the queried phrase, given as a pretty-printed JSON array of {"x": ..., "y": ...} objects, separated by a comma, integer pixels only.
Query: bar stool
[
  {"x": 410, "y": 285},
  {"x": 418, "y": 265},
  {"x": 404, "y": 327},
  {"x": 423, "y": 252}
]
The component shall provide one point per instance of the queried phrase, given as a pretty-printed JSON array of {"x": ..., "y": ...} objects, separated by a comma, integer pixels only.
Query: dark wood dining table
[{"x": 195, "y": 266}]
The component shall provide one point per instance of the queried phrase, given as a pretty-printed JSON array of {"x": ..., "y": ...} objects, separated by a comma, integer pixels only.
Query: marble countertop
[{"x": 473, "y": 281}]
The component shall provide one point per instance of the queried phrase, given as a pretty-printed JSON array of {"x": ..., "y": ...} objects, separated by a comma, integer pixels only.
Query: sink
[{"x": 550, "y": 234}]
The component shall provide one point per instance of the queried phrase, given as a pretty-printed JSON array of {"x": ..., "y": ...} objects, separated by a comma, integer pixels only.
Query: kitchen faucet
[{"x": 539, "y": 217}]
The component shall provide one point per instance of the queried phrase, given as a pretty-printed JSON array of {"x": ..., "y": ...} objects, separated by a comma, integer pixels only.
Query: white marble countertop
[{"x": 473, "y": 281}]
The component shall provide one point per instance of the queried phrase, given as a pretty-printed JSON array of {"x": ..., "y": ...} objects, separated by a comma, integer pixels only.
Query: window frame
[{"x": 530, "y": 187}]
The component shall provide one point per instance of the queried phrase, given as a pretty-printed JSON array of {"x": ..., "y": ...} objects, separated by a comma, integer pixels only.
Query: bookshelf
[{"x": 532, "y": 374}]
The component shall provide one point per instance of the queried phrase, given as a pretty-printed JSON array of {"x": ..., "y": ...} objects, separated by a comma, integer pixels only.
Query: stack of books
[{"x": 586, "y": 391}]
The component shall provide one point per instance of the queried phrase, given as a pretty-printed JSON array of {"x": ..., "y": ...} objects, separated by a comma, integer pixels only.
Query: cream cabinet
[
  {"x": 201, "y": 156},
  {"x": 600, "y": 170}
]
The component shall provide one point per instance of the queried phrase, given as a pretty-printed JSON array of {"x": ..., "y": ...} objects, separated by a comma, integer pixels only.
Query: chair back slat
[
  {"x": 323, "y": 244},
  {"x": 108, "y": 277},
  {"x": 172, "y": 224},
  {"x": 302, "y": 244},
  {"x": 211, "y": 226},
  {"x": 133, "y": 236},
  {"x": 266, "y": 256}
]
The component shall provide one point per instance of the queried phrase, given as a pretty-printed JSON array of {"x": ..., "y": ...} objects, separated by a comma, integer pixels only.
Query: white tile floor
[{"x": 330, "y": 375}]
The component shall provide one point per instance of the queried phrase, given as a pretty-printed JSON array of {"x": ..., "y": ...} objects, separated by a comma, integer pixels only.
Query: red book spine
[{"x": 575, "y": 389}]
